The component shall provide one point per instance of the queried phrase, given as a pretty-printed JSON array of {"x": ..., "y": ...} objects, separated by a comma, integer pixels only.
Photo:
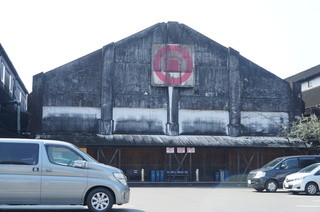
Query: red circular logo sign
[{"x": 173, "y": 64}]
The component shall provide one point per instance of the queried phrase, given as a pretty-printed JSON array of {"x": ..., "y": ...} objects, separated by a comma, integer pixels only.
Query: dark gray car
[{"x": 271, "y": 176}]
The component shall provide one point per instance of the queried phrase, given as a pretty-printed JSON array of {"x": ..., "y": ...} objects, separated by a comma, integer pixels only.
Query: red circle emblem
[{"x": 173, "y": 64}]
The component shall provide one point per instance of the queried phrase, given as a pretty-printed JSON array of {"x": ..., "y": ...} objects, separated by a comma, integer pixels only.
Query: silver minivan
[{"x": 45, "y": 172}]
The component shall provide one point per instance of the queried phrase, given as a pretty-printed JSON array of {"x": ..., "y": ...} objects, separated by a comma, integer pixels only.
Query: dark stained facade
[
  {"x": 13, "y": 100},
  {"x": 168, "y": 86}
]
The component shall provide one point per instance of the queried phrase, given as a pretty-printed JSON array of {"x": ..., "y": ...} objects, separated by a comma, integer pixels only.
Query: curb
[{"x": 189, "y": 184}]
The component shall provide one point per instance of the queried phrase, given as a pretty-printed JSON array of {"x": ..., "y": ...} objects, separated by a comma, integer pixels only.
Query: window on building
[
  {"x": 3, "y": 72},
  {"x": 20, "y": 96},
  {"x": 10, "y": 83},
  {"x": 310, "y": 84},
  {"x": 304, "y": 86},
  {"x": 26, "y": 102}
]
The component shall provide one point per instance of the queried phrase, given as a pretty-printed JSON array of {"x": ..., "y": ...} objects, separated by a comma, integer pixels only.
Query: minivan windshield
[
  {"x": 310, "y": 168},
  {"x": 89, "y": 156},
  {"x": 272, "y": 163}
]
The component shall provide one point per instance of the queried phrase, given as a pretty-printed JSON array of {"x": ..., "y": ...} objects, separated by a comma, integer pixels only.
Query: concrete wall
[
  {"x": 60, "y": 97},
  {"x": 231, "y": 95},
  {"x": 77, "y": 83},
  {"x": 71, "y": 119},
  {"x": 203, "y": 122},
  {"x": 139, "y": 121},
  {"x": 263, "y": 123}
]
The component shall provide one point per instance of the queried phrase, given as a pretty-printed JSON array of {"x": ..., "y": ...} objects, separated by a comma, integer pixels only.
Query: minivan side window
[
  {"x": 61, "y": 155},
  {"x": 19, "y": 153},
  {"x": 304, "y": 162},
  {"x": 290, "y": 163}
]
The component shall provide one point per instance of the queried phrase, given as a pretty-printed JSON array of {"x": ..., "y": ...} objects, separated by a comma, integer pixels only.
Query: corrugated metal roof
[{"x": 198, "y": 141}]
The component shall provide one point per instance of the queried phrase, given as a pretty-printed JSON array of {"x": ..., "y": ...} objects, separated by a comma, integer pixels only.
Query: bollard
[
  {"x": 142, "y": 175},
  {"x": 197, "y": 175}
]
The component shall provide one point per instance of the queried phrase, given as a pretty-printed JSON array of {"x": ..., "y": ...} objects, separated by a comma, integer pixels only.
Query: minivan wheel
[
  {"x": 311, "y": 188},
  {"x": 100, "y": 200},
  {"x": 271, "y": 186}
]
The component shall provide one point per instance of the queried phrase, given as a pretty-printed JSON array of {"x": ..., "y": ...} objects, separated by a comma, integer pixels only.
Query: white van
[{"x": 45, "y": 172}]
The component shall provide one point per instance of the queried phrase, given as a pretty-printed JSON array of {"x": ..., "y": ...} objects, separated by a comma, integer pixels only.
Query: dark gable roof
[
  {"x": 170, "y": 28},
  {"x": 300, "y": 77},
  {"x": 8, "y": 61},
  {"x": 311, "y": 97}
]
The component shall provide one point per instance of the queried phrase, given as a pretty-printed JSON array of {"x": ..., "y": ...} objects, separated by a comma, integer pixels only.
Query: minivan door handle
[
  {"x": 35, "y": 169},
  {"x": 48, "y": 170}
]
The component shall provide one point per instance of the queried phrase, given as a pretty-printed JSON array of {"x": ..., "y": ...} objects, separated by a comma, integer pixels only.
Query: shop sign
[
  {"x": 181, "y": 150},
  {"x": 170, "y": 150},
  {"x": 173, "y": 65},
  {"x": 191, "y": 150}
]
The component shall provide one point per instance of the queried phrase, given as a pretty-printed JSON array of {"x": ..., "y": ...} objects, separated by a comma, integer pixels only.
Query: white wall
[
  {"x": 84, "y": 112},
  {"x": 139, "y": 120},
  {"x": 263, "y": 122},
  {"x": 203, "y": 121}
]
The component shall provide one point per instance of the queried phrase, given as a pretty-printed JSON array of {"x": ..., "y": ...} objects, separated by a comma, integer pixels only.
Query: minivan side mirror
[
  {"x": 79, "y": 164},
  {"x": 282, "y": 166},
  {"x": 317, "y": 173}
]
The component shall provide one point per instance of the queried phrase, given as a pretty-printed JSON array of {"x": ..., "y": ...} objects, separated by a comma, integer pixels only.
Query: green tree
[{"x": 307, "y": 129}]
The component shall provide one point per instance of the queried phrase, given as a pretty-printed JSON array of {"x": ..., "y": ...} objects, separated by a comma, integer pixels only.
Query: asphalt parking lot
[{"x": 199, "y": 200}]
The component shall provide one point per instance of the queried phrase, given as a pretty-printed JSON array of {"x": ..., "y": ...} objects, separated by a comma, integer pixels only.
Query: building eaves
[
  {"x": 311, "y": 97},
  {"x": 300, "y": 77},
  {"x": 197, "y": 141}
]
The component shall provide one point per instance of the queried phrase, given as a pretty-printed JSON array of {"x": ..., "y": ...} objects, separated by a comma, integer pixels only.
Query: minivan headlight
[
  {"x": 121, "y": 177},
  {"x": 259, "y": 174}
]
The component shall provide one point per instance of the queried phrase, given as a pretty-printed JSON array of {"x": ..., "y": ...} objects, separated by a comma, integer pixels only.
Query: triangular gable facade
[{"x": 167, "y": 79}]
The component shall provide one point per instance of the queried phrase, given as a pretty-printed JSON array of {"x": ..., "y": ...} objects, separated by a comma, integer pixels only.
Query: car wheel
[
  {"x": 311, "y": 188},
  {"x": 100, "y": 200},
  {"x": 271, "y": 186},
  {"x": 259, "y": 189}
]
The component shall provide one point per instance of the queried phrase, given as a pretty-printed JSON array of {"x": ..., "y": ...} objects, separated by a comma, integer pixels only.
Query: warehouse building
[{"x": 168, "y": 98}]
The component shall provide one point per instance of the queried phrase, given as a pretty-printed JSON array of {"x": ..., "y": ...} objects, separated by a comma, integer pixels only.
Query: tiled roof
[{"x": 198, "y": 141}]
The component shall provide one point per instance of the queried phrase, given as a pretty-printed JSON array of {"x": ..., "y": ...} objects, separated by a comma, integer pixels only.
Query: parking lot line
[{"x": 308, "y": 206}]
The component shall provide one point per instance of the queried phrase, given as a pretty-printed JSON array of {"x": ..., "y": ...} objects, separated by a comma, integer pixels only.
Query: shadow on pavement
[{"x": 67, "y": 210}]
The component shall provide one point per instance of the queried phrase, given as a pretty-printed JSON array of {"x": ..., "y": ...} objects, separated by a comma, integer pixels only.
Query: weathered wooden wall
[{"x": 208, "y": 160}]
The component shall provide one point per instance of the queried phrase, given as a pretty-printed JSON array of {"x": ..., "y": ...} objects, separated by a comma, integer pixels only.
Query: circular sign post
[{"x": 172, "y": 65}]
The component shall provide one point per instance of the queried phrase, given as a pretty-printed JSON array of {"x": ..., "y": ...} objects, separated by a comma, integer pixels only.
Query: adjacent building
[
  {"x": 168, "y": 98},
  {"x": 13, "y": 100},
  {"x": 310, "y": 88}
]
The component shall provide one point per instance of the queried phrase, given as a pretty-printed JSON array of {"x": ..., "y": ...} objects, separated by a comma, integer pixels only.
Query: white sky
[{"x": 282, "y": 36}]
